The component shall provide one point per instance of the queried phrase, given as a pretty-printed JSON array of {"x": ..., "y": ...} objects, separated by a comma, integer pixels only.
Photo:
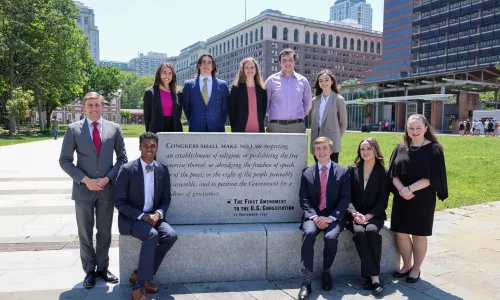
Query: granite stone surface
[
  {"x": 205, "y": 253},
  {"x": 283, "y": 253},
  {"x": 221, "y": 178}
]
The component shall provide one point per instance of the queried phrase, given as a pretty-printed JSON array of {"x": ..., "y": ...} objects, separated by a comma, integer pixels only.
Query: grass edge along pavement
[{"x": 472, "y": 163}]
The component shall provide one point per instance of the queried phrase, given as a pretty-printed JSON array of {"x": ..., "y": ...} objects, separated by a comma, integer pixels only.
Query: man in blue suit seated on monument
[
  {"x": 205, "y": 98},
  {"x": 142, "y": 196},
  {"x": 324, "y": 197}
]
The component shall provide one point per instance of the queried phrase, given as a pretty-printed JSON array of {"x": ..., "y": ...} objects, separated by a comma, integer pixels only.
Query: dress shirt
[
  {"x": 209, "y": 83},
  {"x": 91, "y": 126},
  {"x": 149, "y": 190},
  {"x": 322, "y": 106},
  {"x": 288, "y": 98},
  {"x": 328, "y": 166}
]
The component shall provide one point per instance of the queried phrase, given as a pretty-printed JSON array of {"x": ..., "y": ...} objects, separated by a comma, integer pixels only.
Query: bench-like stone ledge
[{"x": 239, "y": 252}]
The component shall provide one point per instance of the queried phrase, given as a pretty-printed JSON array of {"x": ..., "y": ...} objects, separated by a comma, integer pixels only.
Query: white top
[
  {"x": 149, "y": 190},
  {"x": 366, "y": 181},
  {"x": 91, "y": 126},
  {"x": 209, "y": 83},
  {"x": 322, "y": 106}
]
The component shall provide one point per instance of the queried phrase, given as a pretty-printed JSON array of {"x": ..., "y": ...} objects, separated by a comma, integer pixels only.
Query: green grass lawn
[{"x": 12, "y": 140}]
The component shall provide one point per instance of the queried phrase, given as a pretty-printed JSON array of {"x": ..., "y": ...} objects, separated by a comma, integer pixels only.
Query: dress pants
[
  {"x": 368, "y": 242},
  {"x": 290, "y": 128},
  {"x": 311, "y": 231},
  {"x": 155, "y": 244},
  {"x": 103, "y": 210}
]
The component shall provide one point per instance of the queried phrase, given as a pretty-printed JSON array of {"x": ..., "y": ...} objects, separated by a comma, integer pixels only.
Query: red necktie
[
  {"x": 322, "y": 199},
  {"x": 96, "y": 137}
]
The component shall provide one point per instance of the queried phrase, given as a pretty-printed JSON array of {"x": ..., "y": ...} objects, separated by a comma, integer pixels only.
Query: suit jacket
[
  {"x": 201, "y": 115},
  {"x": 372, "y": 200},
  {"x": 153, "y": 111},
  {"x": 338, "y": 191},
  {"x": 89, "y": 163},
  {"x": 129, "y": 193},
  {"x": 238, "y": 107},
  {"x": 333, "y": 123}
]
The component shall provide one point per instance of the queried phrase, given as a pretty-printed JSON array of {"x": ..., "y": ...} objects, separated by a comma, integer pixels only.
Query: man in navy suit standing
[
  {"x": 142, "y": 212},
  {"x": 324, "y": 197},
  {"x": 205, "y": 98}
]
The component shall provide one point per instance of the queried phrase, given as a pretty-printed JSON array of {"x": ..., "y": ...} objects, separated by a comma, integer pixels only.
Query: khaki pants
[{"x": 290, "y": 128}]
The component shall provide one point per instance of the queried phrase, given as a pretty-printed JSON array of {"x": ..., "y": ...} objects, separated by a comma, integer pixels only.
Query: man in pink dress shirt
[{"x": 289, "y": 97}]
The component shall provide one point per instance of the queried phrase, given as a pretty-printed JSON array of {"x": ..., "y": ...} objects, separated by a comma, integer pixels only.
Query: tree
[
  {"x": 105, "y": 80},
  {"x": 350, "y": 82},
  {"x": 133, "y": 87},
  {"x": 125, "y": 114},
  {"x": 18, "y": 106}
]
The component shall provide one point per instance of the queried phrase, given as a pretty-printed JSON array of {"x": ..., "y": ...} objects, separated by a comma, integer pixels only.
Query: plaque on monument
[{"x": 221, "y": 178}]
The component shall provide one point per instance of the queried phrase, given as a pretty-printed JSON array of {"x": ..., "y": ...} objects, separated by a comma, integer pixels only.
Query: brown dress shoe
[
  {"x": 140, "y": 294},
  {"x": 150, "y": 288}
]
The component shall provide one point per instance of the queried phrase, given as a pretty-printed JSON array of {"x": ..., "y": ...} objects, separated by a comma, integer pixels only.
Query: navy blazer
[
  {"x": 153, "y": 111},
  {"x": 129, "y": 193},
  {"x": 338, "y": 191},
  {"x": 201, "y": 115}
]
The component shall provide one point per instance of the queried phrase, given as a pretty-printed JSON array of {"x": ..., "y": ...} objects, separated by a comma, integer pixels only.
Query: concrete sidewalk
[{"x": 39, "y": 256}]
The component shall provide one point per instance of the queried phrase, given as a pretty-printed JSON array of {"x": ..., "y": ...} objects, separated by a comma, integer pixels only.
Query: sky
[{"x": 127, "y": 27}]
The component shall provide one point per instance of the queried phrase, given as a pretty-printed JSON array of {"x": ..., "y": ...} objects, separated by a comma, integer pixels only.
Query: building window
[
  {"x": 232, "y": 44},
  {"x": 365, "y": 46},
  {"x": 323, "y": 41},
  {"x": 285, "y": 34},
  {"x": 237, "y": 43},
  {"x": 378, "y": 48},
  {"x": 275, "y": 33},
  {"x": 337, "y": 42},
  {"x": 308, "y": 37},
  {"x": 330, "y": 41},
  {"x": 315, "y": 38},
  {"x": 251, "y": 36},
  {"x": 256, "y": 34},
  {"x": 359, "y": 45},
  {"x": 296, "y": 36},
  {"x": 261, "y": 33},
  {"x": 228, "y": 46},
  {"x": 352, "y": 44},
  {"x": 345, "y": 43},
  {"x": 372, "y": 47},
  {"x": 224, "y": 48},
  {"x": 246, "y": 38}
]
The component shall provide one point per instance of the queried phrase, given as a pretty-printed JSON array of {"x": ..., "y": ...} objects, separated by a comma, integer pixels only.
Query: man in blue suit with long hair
[{"x": 205, "y": 98}]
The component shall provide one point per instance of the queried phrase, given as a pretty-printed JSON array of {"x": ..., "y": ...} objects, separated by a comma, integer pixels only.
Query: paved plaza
[{"x": 39, "y": 255}]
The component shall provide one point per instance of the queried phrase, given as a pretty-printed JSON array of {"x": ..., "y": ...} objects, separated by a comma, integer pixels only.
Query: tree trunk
[
  {"x": 39, "y": 106},
  {"x": 12, "y": 121}
]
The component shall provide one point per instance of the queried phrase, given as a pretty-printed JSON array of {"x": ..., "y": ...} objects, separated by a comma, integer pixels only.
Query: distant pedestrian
[
  {"x": 386, "y": 127},
  {"x": 55, "y": 127},
  {"x": 477, "y": 128},
  {"x": 467, "y": 127},
  {"x": 461, "y": 128},
  {"x": 491, "y": 128},
  {"x": 392, "y": 125},
  {"x": 495, "y": 127}
]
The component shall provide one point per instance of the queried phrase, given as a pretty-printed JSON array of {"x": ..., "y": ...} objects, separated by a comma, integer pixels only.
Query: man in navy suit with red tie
[
  {"x": 324, "y": 197},
  {"x": 142, "y": 212}
]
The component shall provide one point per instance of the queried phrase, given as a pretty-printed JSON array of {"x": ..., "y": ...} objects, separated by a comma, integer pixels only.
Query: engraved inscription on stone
[{"x": 233, "y": 178}]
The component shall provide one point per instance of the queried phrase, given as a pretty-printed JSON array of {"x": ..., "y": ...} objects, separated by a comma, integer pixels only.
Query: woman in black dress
[
  {"x": 366, "y": 212},
  {"x": 418, "y": 173},
  {"x": 163, "y": 102}
]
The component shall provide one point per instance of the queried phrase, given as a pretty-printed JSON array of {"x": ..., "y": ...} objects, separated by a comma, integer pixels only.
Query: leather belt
[{"x": 287, "y": 122}]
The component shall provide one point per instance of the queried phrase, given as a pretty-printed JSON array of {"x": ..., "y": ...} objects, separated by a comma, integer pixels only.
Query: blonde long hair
[{"x": 241, "y": 78}]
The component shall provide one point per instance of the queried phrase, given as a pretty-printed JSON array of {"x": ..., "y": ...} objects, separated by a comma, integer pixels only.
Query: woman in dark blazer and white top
[
  {"x": 329, "y": 117},
  {"x": 366, "y": 212},
  {"x": 163, "y": 102},
  {"x": 247, "y": 104}
]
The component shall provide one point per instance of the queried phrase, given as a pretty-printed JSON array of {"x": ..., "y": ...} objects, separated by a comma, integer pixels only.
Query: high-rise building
[
  {"x": 347, "y": 51},
  {"x": 86, "y": 20},
  {"x": 357, "y": 10},
  {"x": 147, "y": 64}
]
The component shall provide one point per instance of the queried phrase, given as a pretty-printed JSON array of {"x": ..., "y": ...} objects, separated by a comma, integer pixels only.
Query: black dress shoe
[
  {"x": 107, "y": 276},
  {"x": 396, "y": 274},
  {"x": 305, "y": 291},
  {"x": 89, "y": 280},
  {"x": 326, "y": 281},
  {"x": 378, "y": 287},
  {"x": 412, "y": 280},
  {"x": 368, "y": 285}
]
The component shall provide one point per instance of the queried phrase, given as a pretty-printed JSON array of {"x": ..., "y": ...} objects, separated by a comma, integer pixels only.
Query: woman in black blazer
[
  {"x": 163, "y": 102},
  {"x": 366, "y": 212},
  {"x": 247, "y": 104}
]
